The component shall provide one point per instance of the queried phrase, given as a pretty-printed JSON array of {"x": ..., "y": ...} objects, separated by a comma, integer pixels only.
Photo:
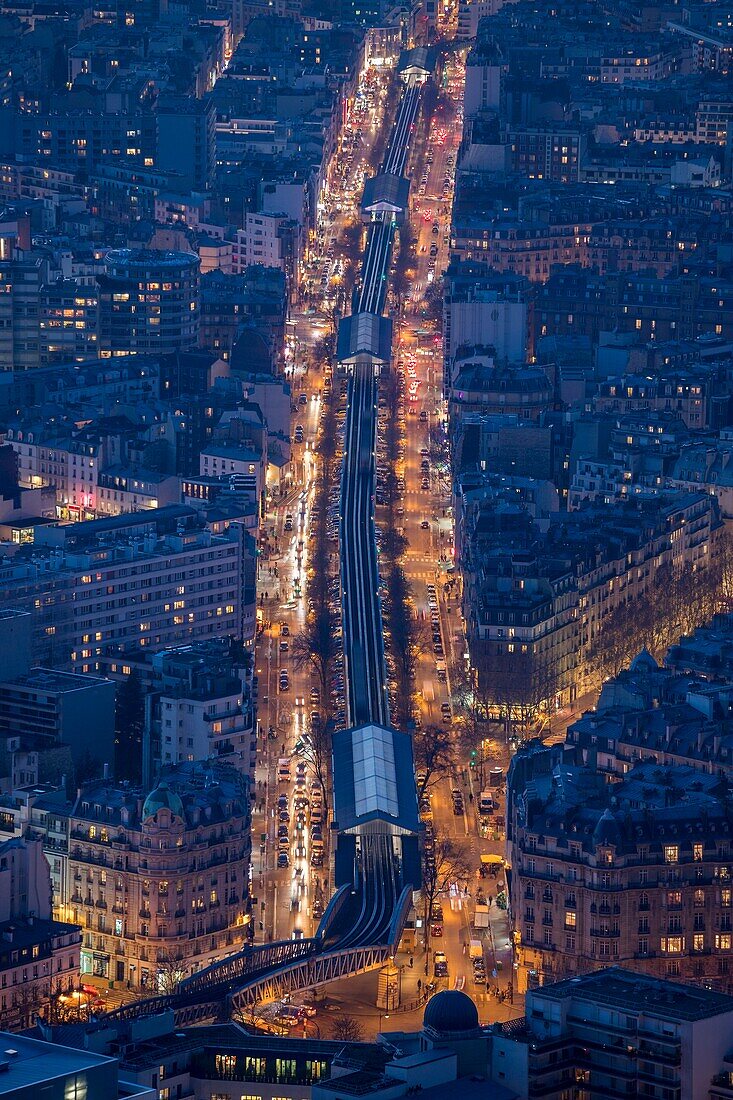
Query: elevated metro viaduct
[{"x": 376, "y": 824}]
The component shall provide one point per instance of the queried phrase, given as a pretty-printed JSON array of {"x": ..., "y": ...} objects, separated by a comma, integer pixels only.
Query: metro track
[{"x": 363, "y": 626}]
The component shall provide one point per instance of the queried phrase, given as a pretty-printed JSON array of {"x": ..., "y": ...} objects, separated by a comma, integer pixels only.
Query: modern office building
[
  {"x": 45, "y": 709},
  {"x": 615, "y": 1033},
  {"x": 31, "y": 1068},
  {"x": 151, "y": 579},
  {"x": 148, "y": 302}
]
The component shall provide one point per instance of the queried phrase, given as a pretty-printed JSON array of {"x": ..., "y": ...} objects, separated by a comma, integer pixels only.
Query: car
[
  {"x": 424, "y": 484},
  {"x": 440, "y": 964},
  {"x": 458, "y": 808},
  {"x": 284, "y": 647},
  {"x": 283, "y": 859},
  {"x": 284, "y": 630},
  {"x": 425, "y": 526},
  {"x": 445, "y": 707}
]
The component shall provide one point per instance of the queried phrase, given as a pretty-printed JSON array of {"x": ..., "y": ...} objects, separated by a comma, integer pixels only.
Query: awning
[{"x": 492, "y": 859}]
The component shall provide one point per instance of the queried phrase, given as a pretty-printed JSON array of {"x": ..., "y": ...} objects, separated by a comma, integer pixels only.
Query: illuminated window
[
  {"x": 225, "y": 1064},
  {"x": 671, "y": 853}
]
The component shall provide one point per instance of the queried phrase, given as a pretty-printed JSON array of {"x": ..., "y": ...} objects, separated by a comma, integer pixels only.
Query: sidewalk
[{"x": 357, "y": 996}]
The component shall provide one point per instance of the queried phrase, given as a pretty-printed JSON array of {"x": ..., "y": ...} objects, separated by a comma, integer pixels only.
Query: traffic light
[{"x": 473, "y": 758}]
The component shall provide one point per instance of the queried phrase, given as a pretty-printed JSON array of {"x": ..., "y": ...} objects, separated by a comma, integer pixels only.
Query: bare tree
[
  {"x": 171, "y": 971},
  {"x": 347, "y": 1029},
  {"x": 446, "y": 863},
  {"x": 315, "y": 647},
  {"x": 434, "y": 754},
  {"x": 316, "y": 752}
]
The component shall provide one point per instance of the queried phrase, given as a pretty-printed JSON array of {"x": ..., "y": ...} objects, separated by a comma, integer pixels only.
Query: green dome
[{"x": 162, "y": 798}]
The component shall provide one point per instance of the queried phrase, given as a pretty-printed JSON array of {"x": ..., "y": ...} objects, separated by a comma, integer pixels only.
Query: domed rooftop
[
  {"x": 607, "y": 831},
  {"x": 162, "y": 798},
  {"x": 644, "y": 662},
  {"x": 250, "y": 353},
  {"x": 450, "y": 1010}
]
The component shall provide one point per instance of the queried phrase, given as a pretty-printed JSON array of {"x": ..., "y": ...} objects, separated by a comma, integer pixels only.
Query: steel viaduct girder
[{"x": 310, "y": 972}]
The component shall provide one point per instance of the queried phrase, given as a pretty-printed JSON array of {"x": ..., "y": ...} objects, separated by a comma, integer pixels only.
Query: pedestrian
[{"x": 412, "y": 962}]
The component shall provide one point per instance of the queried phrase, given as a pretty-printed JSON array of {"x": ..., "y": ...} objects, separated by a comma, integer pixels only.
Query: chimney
[{"x": 106, "y": 771}]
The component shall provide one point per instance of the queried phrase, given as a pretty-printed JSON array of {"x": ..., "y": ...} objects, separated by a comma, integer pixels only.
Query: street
[{"x": 291, "y": 893}]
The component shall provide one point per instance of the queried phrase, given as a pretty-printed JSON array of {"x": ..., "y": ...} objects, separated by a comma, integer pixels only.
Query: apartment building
[
  {"x": 536, "y": 598},
  {"x": 39, "y": 956},
  {"x": 615, "y": 1033},
  {"x": 159, "y": 881},
  {"x": 637, "y": 872},
  {"x": 147, "y": 580}
]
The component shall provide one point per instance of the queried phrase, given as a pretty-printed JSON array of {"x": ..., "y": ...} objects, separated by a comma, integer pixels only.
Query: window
[
  {"x": 698, "y": 942},
  {"x": 75, "y": 1088},
  {"x": 671, "y": 853},
  {"x": 254, "y": 1068},
  {"x": 697, "y": 852},
  {"x": 285, "y": 1069},
  {"x": 722, "y": 941},
  {"x": 226, "y": 1065},
  {"x": 725, "y": 897},
  {"x": 570, "y": 919},
  {"x": 673, "y": 945},
  {"x": 314, "y": 1071}
]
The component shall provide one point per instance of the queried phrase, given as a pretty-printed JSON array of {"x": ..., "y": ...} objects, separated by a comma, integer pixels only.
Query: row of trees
[
  {"x": 316, "y": 646},
  {"x": 520, "y": 689},
  {"x": 401, "y": 646},
  {"x": 679, "y": 601}
]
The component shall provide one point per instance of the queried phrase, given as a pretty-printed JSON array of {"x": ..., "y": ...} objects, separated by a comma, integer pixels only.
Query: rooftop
[
  {"x": 625, "y": 989},
  {"x": 373, "y": 772},
  {"x": 32, "y": 1063}
]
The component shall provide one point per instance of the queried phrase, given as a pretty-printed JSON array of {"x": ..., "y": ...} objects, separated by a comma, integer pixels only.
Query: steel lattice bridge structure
[{"x": 375, "y": 818}]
